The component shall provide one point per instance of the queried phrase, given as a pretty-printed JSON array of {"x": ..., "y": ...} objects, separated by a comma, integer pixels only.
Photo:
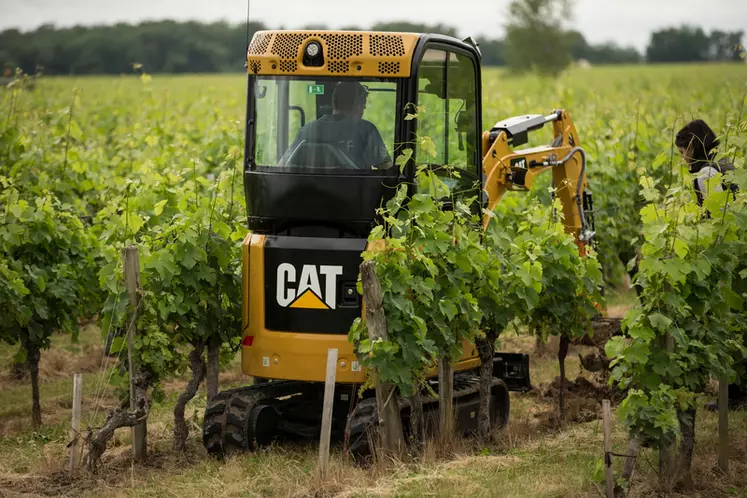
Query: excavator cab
[
  {"x": 316, "y": 170},
  {"x": 334, "y": 122}
]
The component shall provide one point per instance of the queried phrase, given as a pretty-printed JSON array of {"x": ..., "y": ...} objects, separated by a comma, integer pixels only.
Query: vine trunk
[
  {"x": 197, "y": 365},
  {"x": 213, "y": 350}
]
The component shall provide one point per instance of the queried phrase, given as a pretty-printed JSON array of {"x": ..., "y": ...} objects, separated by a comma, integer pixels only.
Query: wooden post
[
  {"x": 132, "y": 283},
  {"x": 75, "y": 430},
  {"x": 608, "y": 477},
  {"x": 392, "y": 435},
  {"x": 723, "y": 424},
  {"x": 329, "y": 400}
]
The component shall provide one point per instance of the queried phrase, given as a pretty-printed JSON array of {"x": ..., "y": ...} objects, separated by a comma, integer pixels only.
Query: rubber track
[
  {"x": 365, "y": 414},
  {"x": 225, "y": 429}
]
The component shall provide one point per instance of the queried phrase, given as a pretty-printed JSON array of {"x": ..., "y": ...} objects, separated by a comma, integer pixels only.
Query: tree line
[{"x": 195, "y": 47}]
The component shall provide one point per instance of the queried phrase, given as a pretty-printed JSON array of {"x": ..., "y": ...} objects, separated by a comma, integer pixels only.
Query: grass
[{"x": 533, "y": 457}]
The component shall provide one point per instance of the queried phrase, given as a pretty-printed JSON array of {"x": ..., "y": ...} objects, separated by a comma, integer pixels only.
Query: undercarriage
[{"x": 248, "y": 418}]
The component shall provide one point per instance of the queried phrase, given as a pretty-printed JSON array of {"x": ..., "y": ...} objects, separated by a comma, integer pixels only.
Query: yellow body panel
[
  {"x": 346, "y": 53},
  {"x": 296, "y": 356}
]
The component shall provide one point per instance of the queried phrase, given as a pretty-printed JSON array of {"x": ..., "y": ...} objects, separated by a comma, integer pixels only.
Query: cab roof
[{"x": 343, "y": 53}]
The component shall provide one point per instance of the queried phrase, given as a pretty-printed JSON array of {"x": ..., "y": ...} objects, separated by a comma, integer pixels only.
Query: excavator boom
[{"x": 509, "y": 169}]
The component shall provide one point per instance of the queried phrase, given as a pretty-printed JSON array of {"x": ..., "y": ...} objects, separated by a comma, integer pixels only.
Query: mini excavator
[{"x": 314, "y": 174}]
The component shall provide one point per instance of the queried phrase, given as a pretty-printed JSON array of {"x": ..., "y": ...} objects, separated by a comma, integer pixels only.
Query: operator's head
[
  {"x": 349, "y": 98},
  {"x": 696, "y": 141}
]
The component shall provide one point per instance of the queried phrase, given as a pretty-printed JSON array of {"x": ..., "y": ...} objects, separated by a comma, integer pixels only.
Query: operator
[
  {"x": 346, "y": 130},
  {"x": 698, "y": 145}
]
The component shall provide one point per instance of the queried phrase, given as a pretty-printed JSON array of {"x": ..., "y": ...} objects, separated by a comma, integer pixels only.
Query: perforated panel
[
  {"x": 259, "y": 44},
  {"x": 288, "y": 66},
  {"x": 342, "y": 46},
  {"x": 286, "y": 44},
  {"x": 255, "y": 66},
  {"x": 388, "y": 67},
  {"x": 387, "y": 45},
  {"x": 346, "y": 53},
  {"x": 338, "y": 66}
]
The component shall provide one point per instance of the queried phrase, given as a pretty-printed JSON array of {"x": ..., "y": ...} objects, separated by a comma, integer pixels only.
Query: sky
[{"x": 626, "y": 22}]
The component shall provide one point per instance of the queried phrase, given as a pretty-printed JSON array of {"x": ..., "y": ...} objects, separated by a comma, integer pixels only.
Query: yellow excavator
[{"x": 329, "y": 114}]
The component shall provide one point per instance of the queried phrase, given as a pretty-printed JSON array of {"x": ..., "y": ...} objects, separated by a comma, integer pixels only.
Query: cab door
[{"x": 448, "y": 111}]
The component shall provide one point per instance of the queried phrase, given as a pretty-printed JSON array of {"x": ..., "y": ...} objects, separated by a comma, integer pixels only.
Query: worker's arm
[
  {"x": 376, "y": 153},
  {"x": 702, "y": 181}
]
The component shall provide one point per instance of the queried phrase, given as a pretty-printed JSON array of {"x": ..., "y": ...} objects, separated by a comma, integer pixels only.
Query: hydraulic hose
[{"x": 586, "y": 234}]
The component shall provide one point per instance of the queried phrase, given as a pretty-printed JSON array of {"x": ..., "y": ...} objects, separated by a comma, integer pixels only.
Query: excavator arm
[{"x": 508, "y": 169}]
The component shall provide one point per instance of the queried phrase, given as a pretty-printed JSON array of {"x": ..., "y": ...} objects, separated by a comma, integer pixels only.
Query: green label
[{"x": 316, "y": 89}]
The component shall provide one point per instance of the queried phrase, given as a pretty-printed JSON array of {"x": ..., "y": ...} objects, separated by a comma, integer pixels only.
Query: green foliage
[
  {"x": 190, "y": 271},
  {"x": 570, "y": 281},
  {"x": 444, "y": 281},
  {"x": 689, "y": 325},
  {"x": 47, "y": 262},
  {"x": 127, "y": 167},
  {"x": 430, "y": 262}
]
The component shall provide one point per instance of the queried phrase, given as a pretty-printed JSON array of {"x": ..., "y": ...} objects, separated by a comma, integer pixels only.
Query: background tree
[
  {"x": 691, "y": 44},
  {"x": 725, "y": 46},
  {"x": 681, "y": 44},
  {"x": 493, "y": 51},
  {"x": 606, "y": 53},
  {"x": 535, "y": 38}
]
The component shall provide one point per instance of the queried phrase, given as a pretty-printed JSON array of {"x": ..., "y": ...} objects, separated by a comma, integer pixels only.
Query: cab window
[
  {"x": 284, "y": 106},
  {"x": 447, "y": 110}
]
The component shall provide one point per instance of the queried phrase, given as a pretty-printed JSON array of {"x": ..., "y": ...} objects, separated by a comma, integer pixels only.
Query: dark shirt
[{"x": 357, "y": 139}]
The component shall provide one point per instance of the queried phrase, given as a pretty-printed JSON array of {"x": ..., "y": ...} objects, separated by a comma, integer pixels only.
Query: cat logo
[
  {"x": 519, "y": 162},
  {"x": 307, "y": 294}
]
